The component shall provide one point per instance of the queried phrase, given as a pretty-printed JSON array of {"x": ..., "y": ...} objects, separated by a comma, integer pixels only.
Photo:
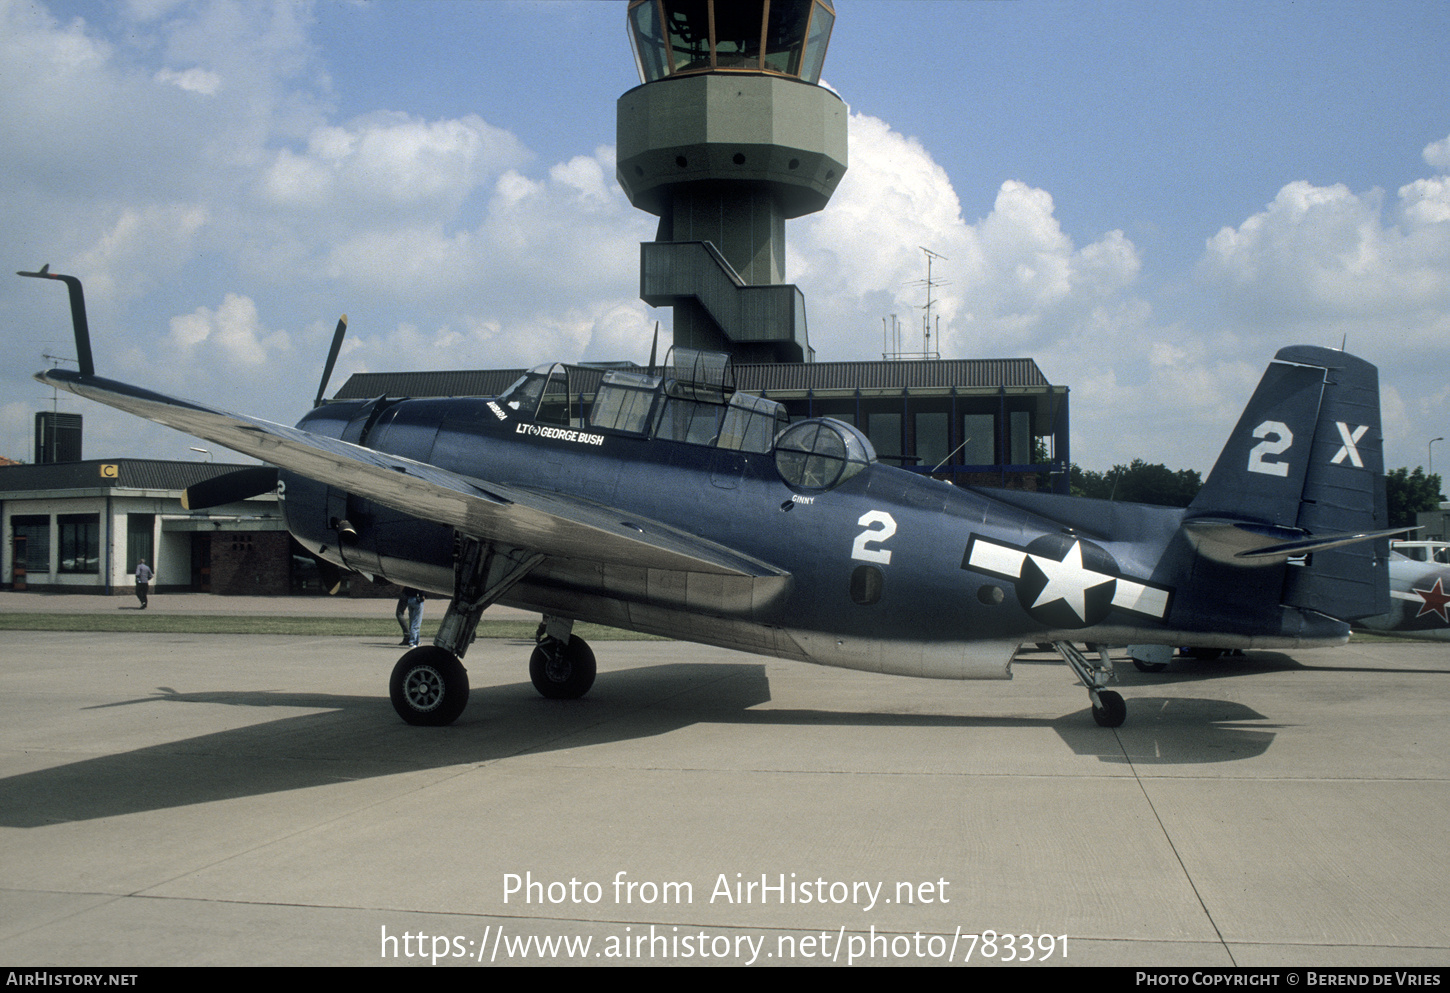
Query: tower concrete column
[{"x": 728, "y": 137}]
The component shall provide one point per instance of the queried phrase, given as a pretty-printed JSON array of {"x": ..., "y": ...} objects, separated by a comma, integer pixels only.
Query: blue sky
[{"x": 1147, "y": 198}]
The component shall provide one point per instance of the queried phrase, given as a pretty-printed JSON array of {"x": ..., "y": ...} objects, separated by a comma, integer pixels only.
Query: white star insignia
[{"x": 1068, "y": 580}]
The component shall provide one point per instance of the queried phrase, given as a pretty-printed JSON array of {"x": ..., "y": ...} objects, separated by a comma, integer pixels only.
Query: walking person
[
  {"x": 411, "y": 602},
  {"x": 143, "y": 581}
]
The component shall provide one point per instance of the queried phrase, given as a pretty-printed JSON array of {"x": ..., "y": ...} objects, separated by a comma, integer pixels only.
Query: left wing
[{"x": 557, "y": 525}]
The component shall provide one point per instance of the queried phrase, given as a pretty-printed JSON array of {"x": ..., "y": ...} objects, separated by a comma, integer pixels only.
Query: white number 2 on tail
[
  {"x": 879, "y": 526},
  {"x": 1276, "y": 441}
]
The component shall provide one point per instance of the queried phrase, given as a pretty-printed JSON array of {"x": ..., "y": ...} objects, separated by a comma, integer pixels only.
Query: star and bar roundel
[{"x": 1064, "y": 581}]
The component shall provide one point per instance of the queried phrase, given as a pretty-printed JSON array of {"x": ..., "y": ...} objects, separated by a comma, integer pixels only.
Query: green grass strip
[{"x": 345, "y": 627}]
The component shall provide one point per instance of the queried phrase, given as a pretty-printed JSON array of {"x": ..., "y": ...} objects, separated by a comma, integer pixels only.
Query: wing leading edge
[{"x": 556, "y": 525}]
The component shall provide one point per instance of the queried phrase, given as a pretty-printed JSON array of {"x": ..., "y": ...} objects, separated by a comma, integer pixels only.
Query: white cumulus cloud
[
  {"x": 1005, "y": 283},
  {"x": 233, "y": 329}
]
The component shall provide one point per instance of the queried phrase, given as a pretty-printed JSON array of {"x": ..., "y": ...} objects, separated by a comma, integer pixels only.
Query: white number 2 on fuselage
[{"x": 879, "y": 526}]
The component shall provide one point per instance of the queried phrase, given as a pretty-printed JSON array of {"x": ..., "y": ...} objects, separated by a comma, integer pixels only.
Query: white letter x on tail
[{"x": 1348, "y": 448}]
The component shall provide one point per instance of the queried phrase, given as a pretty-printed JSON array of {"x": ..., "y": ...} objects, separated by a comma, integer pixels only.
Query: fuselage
[{"x": 888, "y": 570}]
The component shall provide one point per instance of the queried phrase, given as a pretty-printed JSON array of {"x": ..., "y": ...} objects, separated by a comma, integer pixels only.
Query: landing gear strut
[
  {"x": 1109, "y": 710},
  {"x": 429, "y": 685}
]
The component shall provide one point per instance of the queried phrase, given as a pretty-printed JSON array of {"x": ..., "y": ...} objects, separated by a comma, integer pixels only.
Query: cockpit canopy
[
  {"x": 540, "y": 395},
  {"x": 820, "y": 454},
  {"x": 701, "y": 406},
  {"x": 695, "y": 401},
  {"x": 1423, "y": 551}
]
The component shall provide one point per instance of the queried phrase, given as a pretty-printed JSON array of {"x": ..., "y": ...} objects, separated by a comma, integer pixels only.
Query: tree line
[{"x": 1409, "y": 491}]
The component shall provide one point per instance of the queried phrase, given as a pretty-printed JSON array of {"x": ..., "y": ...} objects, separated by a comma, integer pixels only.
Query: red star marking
[{"x": 1435, "y": 600}]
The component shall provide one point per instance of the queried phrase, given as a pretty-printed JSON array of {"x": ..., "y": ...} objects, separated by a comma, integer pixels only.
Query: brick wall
[{"x": 250, "y": 563}]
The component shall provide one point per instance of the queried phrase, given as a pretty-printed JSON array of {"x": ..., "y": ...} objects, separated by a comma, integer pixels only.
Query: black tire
[
  {"x": 562, "y": 672},
  {"x": 1113, "y": 711},
  {"x": 429, "y": 687},
  {"x": 1149, "y": 666}
]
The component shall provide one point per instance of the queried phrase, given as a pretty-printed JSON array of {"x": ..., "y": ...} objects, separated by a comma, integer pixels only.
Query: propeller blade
[
  {"x": 330, "y": 575},
  {"x": 229, "y": 487},
  {"x": 331, "y": 358}
]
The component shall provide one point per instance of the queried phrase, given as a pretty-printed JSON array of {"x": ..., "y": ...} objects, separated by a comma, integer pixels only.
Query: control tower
[{"x": 728, "y": 136}]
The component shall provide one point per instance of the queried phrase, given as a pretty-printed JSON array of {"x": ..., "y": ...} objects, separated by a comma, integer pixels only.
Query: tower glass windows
[
  {"x": 688, "y": 23},
  {"x": 647, "y": 39},
  {"x": 780, "y": 37},
  {"x": 820, "y": 36}
]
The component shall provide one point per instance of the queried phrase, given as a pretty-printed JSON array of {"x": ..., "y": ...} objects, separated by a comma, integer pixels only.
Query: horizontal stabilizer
[
  {"x": 1319, "y": 543},
  {"x": 1262, "y": 544}
]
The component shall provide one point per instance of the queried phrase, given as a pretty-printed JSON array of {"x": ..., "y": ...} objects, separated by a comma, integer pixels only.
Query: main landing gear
[
  {"x": 429, "y": 686},
  {"x": 1109, "y": 710}
]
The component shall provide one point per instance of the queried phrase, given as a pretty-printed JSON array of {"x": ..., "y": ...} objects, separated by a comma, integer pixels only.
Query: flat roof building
[
  {"x": 988, "y": 422},
  {"x": 81, "y": 527}
]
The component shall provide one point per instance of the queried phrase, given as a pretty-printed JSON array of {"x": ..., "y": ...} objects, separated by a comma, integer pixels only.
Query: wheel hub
[
  {"x": 558, "y": 669},
  {"x": 423, "y": 688}
]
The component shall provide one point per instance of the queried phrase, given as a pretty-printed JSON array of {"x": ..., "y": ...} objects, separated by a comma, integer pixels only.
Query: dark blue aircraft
[{"x": 677, "y": 506}]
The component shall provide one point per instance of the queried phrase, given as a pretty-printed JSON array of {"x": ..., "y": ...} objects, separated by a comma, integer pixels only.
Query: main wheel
[
  {"x": 1113, "y": 711},
  {"x": 1149, "y": 666},
  {"x": 562, "y": 671},
  {"x": 429, "y": 687}
]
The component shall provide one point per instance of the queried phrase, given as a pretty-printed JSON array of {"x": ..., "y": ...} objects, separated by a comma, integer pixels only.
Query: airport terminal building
[{"x": 80, "y": 527}]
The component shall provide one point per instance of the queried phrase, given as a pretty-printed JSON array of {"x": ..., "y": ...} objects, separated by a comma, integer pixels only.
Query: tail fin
[{"x": 1303, "y": 475}]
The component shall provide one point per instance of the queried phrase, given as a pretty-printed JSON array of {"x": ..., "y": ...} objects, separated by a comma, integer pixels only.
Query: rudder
[{"x": 1344, "y": 490}]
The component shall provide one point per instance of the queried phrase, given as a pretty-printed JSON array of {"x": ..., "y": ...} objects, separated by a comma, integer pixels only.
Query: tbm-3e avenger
[{"x": 675, "y": 505}]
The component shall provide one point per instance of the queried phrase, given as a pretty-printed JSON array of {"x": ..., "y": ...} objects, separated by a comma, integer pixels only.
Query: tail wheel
[
  {"x": 562, "y": 671},
  {"x": 1109, "y": 711},
  {"x": 429, "y": 687}
]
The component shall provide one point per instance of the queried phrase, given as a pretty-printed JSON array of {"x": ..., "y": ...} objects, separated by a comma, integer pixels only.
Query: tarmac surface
[{"x": 222, "y": 799}]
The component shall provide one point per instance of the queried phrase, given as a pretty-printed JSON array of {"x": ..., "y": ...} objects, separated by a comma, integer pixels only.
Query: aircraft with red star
[{"x": 1419, "y": 592}]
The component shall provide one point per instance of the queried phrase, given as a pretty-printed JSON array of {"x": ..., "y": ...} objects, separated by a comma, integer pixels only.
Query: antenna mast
[
  {"x": 927, "y": 352},
  {"x": 930, "y": 285}
]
